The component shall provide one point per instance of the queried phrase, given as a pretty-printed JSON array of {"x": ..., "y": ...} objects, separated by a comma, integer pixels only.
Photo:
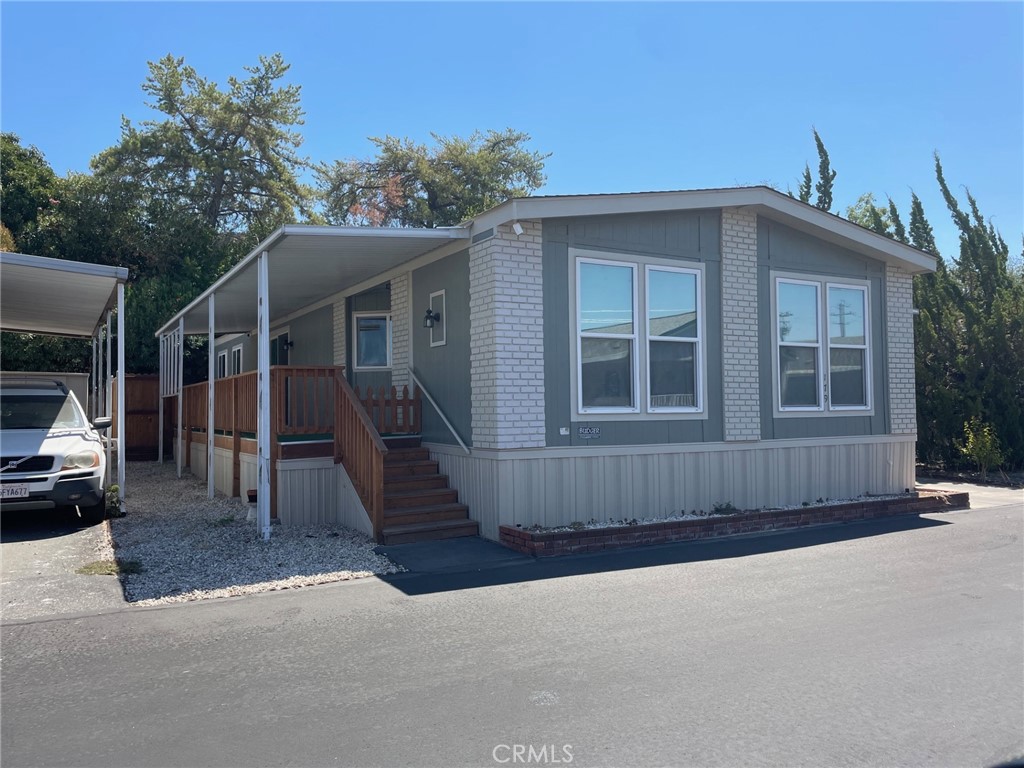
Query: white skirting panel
[
  {"x": 198, "y": 460},
  {"x": 350, "y": 507},
  {"x": 222, "y": 470},
  {"x": 247, "y": 473},
  {"x": 307, "y": 492},
  {"x": 559, "y": 486}
]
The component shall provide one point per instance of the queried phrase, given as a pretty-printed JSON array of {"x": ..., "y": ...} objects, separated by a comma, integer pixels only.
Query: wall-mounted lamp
[
  {"x": 430, "y": 318},
  {"x": 517, "y": 227}
]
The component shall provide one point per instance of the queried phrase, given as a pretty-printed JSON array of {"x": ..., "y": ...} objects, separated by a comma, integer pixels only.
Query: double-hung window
[
  {"x": 638, "y": 340},
  {"x": 822, "y": 345},
  {"x": 222, "y": 364}
]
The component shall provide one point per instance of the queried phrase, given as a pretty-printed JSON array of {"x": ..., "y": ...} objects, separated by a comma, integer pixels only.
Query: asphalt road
[{"x": 894, "y": 642}]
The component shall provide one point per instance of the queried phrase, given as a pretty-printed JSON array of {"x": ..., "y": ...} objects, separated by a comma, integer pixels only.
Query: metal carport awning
[
  {"x": 306, "y": 264},
  {"x": 55, "y": 297},
  {"x": 298, "y": 265}
]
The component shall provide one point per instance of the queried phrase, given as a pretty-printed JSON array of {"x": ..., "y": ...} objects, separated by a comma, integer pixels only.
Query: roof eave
[{"x": 763, "y": 199}]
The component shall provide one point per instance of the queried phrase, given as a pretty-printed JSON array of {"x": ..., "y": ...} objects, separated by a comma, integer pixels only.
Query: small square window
[{"x": 372, "y": 341}]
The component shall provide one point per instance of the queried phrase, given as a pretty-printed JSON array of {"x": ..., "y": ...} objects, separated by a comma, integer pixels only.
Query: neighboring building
[{"x": 606, "y": 356}]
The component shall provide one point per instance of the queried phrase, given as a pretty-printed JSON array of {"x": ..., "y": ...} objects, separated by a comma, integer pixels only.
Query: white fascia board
[{"x": 120, "y": 274}]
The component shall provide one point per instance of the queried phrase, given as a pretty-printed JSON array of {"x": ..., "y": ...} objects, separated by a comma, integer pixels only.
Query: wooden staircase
[{"x": 418, "y": 504}]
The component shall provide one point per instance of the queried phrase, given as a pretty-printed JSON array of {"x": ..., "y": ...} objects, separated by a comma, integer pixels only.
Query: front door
[{"x": 279, "y": 349}]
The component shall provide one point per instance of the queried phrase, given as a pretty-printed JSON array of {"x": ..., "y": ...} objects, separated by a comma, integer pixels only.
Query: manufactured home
[{"x": 555, "y": 359}]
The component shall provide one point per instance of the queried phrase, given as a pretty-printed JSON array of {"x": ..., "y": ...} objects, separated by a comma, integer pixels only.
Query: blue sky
[{"x": 626, "y": 97}]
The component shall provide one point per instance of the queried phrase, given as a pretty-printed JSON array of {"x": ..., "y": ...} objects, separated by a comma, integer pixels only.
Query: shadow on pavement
[
  {"x": 35, "y": 525},
  {"x": 435, "y": 566}
]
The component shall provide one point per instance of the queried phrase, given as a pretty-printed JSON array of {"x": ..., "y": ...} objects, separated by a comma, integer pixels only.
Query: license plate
[{"x": 14, "y": 491}]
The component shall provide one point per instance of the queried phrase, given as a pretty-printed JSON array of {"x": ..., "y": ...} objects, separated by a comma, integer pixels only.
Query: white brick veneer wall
[
  {"x": 741, "y": 390},
  {"x": 340, "y": 339},
  {"x": 899, "y": 300},
  {"x": 400, "y": 331},
  {"x": 506, "y": 320}
]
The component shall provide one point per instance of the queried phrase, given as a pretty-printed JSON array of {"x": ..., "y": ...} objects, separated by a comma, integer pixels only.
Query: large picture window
[
  {"x": 821, "y": 324},
  {"x": 372, "y": 332},
  {"x": 638, "y": 342}
]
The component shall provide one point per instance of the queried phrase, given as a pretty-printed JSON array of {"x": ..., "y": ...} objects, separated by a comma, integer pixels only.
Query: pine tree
[{"x": 825, "y": 176}]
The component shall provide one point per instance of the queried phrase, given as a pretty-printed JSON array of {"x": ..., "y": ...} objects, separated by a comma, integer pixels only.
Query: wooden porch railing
[
  {"x": 391, "y": 414},
  {"x": 357, "y": 445},
  {"x": 314, "y": 402}
]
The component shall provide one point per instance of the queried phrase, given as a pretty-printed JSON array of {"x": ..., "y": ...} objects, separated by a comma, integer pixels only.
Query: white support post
[
  {"x": 179, "y": 367},
  {"x": 91, "y": 410},
  {"x": 120, "y": 395},
  {"x": 263, "y": 418},
  {"x": 160, "y": 426},
  {"x": 210, "y": 376},
  {"x": 108, "y": 407}
]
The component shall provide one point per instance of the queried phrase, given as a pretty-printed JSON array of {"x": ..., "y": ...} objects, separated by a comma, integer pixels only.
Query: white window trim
[
  {"x": 222, "y": 365},
  {"x": 825, "y": 408},
  {"x": 640, "y": 412},
  {"x": 697, "y": 341},
  {"x": 241, "y": 359},
  {"x": 443, "y": 311},
  {"x": 355, "y": 340}
]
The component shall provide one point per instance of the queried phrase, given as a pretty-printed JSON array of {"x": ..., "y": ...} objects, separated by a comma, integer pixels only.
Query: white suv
[{"x": 50, "y": 455}]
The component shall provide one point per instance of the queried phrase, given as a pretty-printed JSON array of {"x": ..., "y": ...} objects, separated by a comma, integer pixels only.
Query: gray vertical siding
[
  {"x": 313, "y": 337},
  {"x": 444, "y": 370},
  {"x": 691, "y": 236},
  {"x": 782, "y": 248}
]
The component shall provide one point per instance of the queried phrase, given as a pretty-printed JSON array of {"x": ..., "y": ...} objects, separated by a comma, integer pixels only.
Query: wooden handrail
[{"x": 359, "y": 447}]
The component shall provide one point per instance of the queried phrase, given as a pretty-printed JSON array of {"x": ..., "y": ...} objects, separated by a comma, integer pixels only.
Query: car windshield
[{"x": 57, "y": 411}]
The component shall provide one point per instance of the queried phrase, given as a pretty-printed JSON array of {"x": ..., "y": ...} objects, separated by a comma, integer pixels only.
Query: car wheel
[{"x": 93, "y": 514}]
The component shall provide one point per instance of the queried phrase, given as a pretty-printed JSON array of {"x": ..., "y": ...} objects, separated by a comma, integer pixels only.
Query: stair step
[
  {"x": 444, "y": 529},
  {"x": 406, "y": 468},
  {"x": 414, "y": 482},
  {"x": 402, "y": 441},
  {"x": 431, "y": 514},
  {"x": 420, "y": 498},
  {"x": 406, "y": 454}
]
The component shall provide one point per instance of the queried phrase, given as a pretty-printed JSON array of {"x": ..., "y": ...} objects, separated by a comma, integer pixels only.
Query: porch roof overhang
[
  {"x": 761, "y": 200},
  {"x": 307, "y": 264},
  {"x": 56, "y": 297}
]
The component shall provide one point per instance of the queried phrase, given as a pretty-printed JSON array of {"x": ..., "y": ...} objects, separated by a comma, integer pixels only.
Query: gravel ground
[{"x": 188, "y": 547}]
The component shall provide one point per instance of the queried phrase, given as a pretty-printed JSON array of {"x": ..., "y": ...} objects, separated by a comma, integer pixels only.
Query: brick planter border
[{"x": 550, "y": 543}]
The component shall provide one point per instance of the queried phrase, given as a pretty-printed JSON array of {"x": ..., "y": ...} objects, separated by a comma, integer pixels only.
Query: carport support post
[
  {"x": 263, "y": 467},
  {"x": 210, "y": 375},
  {"x": 179, "y": 359},
  {"x": 120, "y": 396},
  {"x": 108, "y": 407},
  {"x": 160, "y": 426},
  {"x": 92, "y": 389}
]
